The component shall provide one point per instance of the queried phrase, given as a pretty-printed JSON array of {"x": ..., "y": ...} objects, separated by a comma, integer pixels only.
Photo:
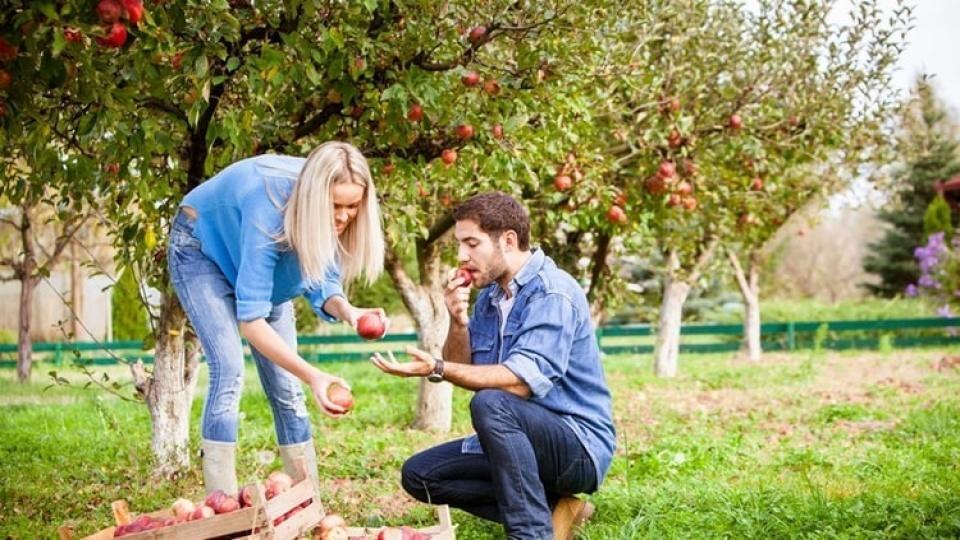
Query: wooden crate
[
  {"x": 444, "y": 530},
  {"x": 255, "y": 522}
]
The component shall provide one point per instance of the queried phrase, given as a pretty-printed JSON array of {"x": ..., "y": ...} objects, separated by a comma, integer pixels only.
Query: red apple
[
  {"x": 477, "y": 34},
  {"x": 673, "y": 104},
  {"x": 449, "y": 156},
  {"x": 109, "y": 10},
  {"x": 446, "y": 200},
  {"x": 202, "y": 512},
  {"x": 757, "y": 184},
  {"x": 340, "y": 395},
  {"x": 7, "y": 51},
  {"x": 689, "y": 202},
  {"x": 134, "y": 9},
  {"x": 246, "y": 496},
  {"x": 621, "y": 199},
  {"x": 112, "y": 168},
  {"x": 415, "y": 113},
  {"x": 356, "y": 111},
  {"x": 464, "y": 131},
  {"x": 666, "y": 170},
  {"x": 370, "y": 326},
  {"x": 72, "y": 35},
  {"x": 674, "y": 200},
  {"x": 389, "y": 168},
  {"x": 491, "y": 87},
  {"x": 422, "y": 191},
  {"x": 674, "y": 139},
  {"x": 182, "y": 508},
  {"x": 655, "y": 185},
  {"x": 116, "y": 36},
  {"x": 690, "y": 167},
  {"x": 735, "y": 122},
  {"x": 471, "y": 79},
  {"x": 5, "y": 79},
  {"x": 497, "y": 131},
  {"x": 616, "y": 215},
  {"x": 684, "y": 188},
  {"x": 562, "y": 182},
  {"x": 466, "y": 276},
  {"x": 330, "y": 521}
]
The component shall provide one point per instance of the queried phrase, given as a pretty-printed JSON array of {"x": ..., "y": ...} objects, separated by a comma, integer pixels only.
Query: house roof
[{"x": 950, "y": 184}]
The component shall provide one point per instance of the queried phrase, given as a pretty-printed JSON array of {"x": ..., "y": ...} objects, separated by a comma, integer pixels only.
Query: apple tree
[
  {"x": 731, "y": 118},
  {"x": 446, "y": 99}
]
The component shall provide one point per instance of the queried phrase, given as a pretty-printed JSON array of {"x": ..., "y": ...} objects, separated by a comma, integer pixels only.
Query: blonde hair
[{"x": 308, "y": 219}]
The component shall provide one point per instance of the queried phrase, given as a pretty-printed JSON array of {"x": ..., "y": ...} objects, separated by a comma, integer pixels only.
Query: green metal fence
[{"x": 622, "y": 339}]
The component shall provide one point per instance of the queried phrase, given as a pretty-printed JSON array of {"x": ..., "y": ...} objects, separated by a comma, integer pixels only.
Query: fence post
[
  {"x": 791, "y": 336},
  {"x": 57, "y": 357}
]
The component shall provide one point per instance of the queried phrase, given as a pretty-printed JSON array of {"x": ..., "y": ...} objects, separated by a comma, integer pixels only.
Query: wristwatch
[{"x": 437, "y": 374}]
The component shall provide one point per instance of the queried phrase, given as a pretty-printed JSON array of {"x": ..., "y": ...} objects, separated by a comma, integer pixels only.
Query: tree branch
[
  {"x": 162, "y": 106},
  {"x": 705, "y": 256}
]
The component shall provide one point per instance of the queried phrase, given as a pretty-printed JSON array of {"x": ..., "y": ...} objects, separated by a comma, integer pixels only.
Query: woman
[{"x": 244, "y": 244}]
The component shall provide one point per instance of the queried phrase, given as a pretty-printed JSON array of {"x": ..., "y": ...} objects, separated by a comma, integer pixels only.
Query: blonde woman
[{"x": 244, "y": 244}]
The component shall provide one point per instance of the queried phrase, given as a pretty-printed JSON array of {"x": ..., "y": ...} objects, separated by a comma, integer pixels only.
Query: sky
[{"x": 931, "y": 46}]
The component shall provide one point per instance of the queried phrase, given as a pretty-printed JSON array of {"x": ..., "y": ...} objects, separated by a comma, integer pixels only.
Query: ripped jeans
[{"x": 209, "y": 301}]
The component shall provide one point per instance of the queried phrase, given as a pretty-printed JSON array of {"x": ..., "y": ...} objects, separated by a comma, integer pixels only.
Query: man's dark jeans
[{"x": 531, "y": 459}]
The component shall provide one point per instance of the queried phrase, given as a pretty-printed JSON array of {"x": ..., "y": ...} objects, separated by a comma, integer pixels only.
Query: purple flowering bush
[{"x": 939, "y": 263}]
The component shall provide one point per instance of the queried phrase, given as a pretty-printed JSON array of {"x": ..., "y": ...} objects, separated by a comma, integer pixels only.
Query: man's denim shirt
[{"x": 549, "y": 342}]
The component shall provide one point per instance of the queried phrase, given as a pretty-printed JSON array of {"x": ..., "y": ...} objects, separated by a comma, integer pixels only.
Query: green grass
[{"x": 834, "y": 445}]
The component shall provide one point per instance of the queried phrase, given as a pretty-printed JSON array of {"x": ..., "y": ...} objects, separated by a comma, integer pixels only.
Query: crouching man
[{"x": 541, "y": 411}]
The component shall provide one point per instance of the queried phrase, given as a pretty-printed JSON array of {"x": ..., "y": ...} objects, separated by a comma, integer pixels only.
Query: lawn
[{"x": 836, "y": 445}]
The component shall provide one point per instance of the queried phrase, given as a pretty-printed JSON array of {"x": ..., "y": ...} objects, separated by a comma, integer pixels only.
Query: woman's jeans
[{"x": 209, "y": 301}]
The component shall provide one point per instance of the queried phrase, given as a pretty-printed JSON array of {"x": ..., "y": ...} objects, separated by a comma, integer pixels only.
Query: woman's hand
[
  {"x": 319, "y": 384},
  {"x": 354, "y": 313}
]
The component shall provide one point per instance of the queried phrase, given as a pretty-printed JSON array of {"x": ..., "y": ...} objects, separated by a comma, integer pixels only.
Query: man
[{"x": 541, "y": 412}]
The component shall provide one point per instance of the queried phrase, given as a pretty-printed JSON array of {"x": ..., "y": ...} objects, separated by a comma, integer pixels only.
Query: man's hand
[
  {"x": 457, "y": 298},
  {"x": 421, "y": 366}
]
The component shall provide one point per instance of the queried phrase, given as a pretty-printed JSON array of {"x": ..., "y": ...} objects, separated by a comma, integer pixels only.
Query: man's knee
[
  {"x": 413, "y": 478},
  {"x": 487, "y": 401}
]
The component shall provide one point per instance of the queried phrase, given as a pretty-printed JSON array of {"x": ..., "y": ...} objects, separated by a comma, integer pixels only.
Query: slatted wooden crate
[{"x": 253, "y": 522}]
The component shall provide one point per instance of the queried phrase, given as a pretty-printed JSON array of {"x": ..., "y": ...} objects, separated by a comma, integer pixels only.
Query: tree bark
[
  {"x": 675, "y": 291},
  {"x": 77, "y": 280},
  {"x": 749, "y": 284},
  {"x": 169, "y": 391},
  {"x": 667, "y": 349},
  {"x": 25, "y": 271},
  {"x": 424, "y": 301}
]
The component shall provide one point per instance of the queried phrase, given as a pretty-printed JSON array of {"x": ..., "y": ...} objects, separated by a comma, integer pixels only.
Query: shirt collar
[{"x": 528, "y": 271}]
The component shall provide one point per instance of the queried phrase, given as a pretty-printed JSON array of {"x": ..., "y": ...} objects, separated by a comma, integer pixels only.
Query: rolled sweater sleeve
[
  {"x": 541, "y": 351},
  {"x": 330, "y": 287},
  {"x": 260, "y": 221}
]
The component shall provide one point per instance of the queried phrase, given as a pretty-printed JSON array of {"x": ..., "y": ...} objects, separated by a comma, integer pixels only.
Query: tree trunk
[
  {"x": 749, "y": 284},
  {"x": 24, "y": 341},
  {"x": 667, "y": 349},
  {"x": 675, "y": 291},
  {"x": 77, "y": 280},
  {"x": 169, "y": 391},
  {"x": 425, "y": 303},
  {"x": 28, "y": 283}
]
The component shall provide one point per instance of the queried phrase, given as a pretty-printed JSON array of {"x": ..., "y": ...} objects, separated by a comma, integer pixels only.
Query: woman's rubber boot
[{"x": 219, "y": 466}]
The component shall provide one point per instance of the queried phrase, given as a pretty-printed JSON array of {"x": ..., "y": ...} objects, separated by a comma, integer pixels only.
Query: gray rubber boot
[
  {"x": 219, "y": 466},
  {"x": 291, "y": 453}
]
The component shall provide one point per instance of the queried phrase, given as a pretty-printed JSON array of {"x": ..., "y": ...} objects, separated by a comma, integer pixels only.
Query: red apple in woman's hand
[
  {"x": 371, "y": 326},
  {"x": 340, "y": 395}
]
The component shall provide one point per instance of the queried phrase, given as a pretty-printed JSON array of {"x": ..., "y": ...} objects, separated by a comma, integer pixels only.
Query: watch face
[{"x": 434, "y": 377}]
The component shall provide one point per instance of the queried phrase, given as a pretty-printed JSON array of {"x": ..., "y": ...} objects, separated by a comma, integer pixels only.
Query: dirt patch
[
  {"x": 947, "y": 363},
  {"x": 864, "y": 426}
]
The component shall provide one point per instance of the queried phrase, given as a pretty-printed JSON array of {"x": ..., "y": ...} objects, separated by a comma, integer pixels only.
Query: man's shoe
[{"x": 569, "y": 514}]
